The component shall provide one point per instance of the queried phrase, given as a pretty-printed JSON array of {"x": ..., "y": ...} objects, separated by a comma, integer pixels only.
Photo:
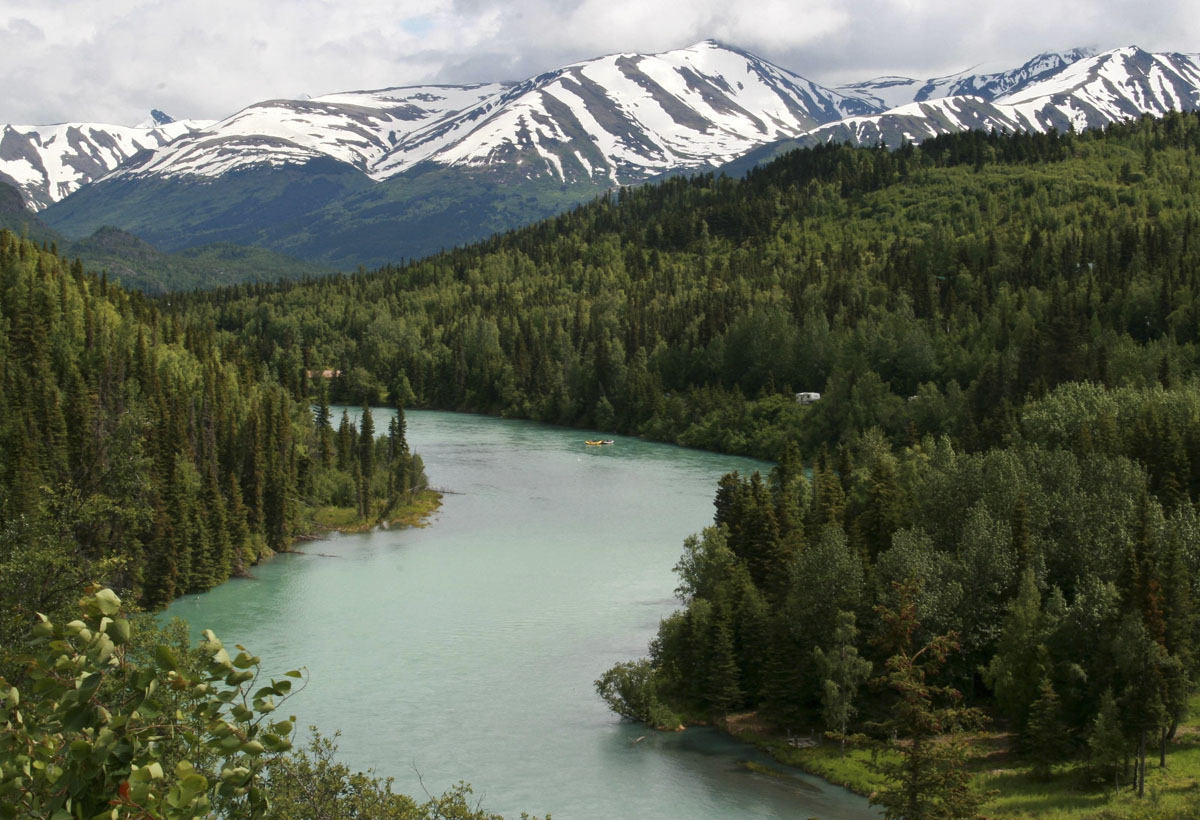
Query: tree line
[
  {"x": 1067, "y": 578},
  {"x": 972, "y": 271}
]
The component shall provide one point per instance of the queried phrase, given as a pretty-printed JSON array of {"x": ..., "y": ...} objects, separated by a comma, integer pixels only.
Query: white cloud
[{"x": 80, "y": 60}]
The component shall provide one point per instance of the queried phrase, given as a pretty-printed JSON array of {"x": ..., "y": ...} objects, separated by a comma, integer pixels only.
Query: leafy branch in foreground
[
  {"x": 108, "y": 719},
  {"x": 89, "y": 731}
]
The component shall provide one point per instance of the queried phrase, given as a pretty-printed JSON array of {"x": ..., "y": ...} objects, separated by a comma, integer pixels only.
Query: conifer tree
[
  {"x": 1108, "y": 748},
  {"x": 347, "y": 439},
  {"x": 926, "y": 778},
  {"x": 1019, "y": 665},
  {"x": 322, "y": 424},
  {"x": 366, "y": 443},
  {"x": 722, "y": 686},
  {"x": 1045, "y": 733}
]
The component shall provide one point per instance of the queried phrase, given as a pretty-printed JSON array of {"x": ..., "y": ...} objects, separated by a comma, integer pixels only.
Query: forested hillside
[
  {"x": 138, "y": 450},
  {"x": 971, "y": 272}
]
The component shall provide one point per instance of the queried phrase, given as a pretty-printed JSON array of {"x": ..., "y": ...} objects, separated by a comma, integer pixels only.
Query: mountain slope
[
  {"x": 621, "y": 118},
  {"x": 49, "y": 162},
  {"x": 356, "y": 128},
  {"x": 986, "y": 81},
  {"x": 1121, "y": 84},
  {"x": 369, "y": 177},
  {"x": 628, "y": 117},
  {"x": 138, "y": 265}
]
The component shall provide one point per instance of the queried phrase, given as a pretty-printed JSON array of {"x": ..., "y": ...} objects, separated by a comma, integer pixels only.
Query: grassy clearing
[
  {"x": 347, "y": 520},
  {"x": 1072, "y": 792}
]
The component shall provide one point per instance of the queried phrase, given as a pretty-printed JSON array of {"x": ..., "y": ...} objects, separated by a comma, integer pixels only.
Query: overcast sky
[{"x": 113, "y": 60}]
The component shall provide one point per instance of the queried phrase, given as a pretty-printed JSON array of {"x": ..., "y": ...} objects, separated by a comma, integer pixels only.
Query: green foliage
[
  {"x": 1046, "y": 732},
  {"x": 1108, "y": 748},
  {"x": 842, "y": 672},
  {"x": 926, "y": 779},
  {"x": 1018, "y": 669},
  {"x": 112, "y": 718},
  {"x": 629, "y": 689},
  {"x": 88, "y": 728},
  {"x": 148, "y": 451},
  {"x": 1065, "y": 573},
  {"x": 309, "y": 784}
]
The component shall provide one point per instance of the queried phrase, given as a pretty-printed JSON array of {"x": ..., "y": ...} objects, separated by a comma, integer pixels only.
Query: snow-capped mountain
[
  {"x": 367, "y": 177},
  {"x": 357, "y": 128},
  {"x": 613, "y": 120},
  {"x": 1089, "y": 92},
  {"x": 621, "y": 118},
  {"x": 48, "y": 162},
  {"x": 627, "y": 117},
  {"x": 987, "y": 80}
]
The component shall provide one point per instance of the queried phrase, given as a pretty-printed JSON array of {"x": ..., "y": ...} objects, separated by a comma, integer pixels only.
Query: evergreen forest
[
  {"x": 990, "y": 512},
  {"x": 147, "y": 452}
]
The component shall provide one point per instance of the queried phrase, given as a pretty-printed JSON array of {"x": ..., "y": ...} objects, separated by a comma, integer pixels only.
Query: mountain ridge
[{"x": 412, "y": 170}]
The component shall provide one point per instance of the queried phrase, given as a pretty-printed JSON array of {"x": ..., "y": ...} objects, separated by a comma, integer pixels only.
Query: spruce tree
[
  {"x": 722, "y": 685},
  {"x": 322, "y": 424},
  {"x": 366, "y": 444},
  {"x": 1019, "y": 664},
  {"x": 1108, "y": 748},
  {"x": 926, "y": 778},
  {"x": 1045, "y": 734}
]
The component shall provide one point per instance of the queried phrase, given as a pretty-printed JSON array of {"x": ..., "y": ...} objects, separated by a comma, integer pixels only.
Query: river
[{"x": 466, "y": 650}]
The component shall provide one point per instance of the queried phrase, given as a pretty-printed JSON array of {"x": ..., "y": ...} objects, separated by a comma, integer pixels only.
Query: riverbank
[{"x": 1071, "y": 793}]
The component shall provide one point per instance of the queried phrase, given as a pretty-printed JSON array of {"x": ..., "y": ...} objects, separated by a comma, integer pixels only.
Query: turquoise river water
[{"x": 466, "y": 650}]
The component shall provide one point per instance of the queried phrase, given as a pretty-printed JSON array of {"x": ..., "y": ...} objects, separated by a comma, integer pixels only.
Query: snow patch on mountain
[
  {"x": 623, "y": 118},
  {"x": 48, "y": 162},
  {"x": 987, "y": 80},
  {"x": 1086, "y": 93},
  {"x": 356, "y": 128},
  {"x": 618, "y": 119}
]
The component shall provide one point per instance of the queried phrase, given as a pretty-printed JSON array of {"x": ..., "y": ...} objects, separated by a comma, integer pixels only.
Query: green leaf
[
  {"x": 108, "y": 602},
  {"x": 89, "y": 684},
  {"x": 237, "y": 776},
  {"x": 151, "y": 771},
  {"x": 240, "y": 676},
  {"x": 274, "y": 743},
  {"x": 192, "y": 785},
  {"x": 245, "y": 660},
  {"x": 165, "y": 657},
  {"x": 118, "y": 630}
]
